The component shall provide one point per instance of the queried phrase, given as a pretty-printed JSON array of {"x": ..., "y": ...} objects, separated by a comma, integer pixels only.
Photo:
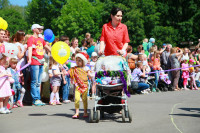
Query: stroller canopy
[{"x": 112, "y": 63}]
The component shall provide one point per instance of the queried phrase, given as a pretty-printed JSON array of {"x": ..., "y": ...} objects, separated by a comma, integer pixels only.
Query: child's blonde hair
[
  {"x": 152, "y": 49},
  {"x": 173, "y": 50},
  {"x": 13, "y": 60},
  {"x": 26, "y": 38},
  {"x": 139, "y": 64},
  {"x": 52, "y": 62}
]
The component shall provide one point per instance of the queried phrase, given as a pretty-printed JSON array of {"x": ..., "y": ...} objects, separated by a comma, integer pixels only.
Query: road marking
[{"x": 172, "y": 119}]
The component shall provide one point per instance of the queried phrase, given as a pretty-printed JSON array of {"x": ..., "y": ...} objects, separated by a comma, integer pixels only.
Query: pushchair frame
[{"x": 110, "y": 99}]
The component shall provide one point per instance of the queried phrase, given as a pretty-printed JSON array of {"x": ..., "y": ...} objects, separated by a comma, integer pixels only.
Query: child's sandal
[{"x": 75, "y": 116}]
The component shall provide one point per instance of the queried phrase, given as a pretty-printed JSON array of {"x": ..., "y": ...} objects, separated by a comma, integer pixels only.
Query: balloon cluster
[
  {"x": 49, "y": 36},
  {"x": 9, "y": 49},
  {"x": 3, "y": 24}
]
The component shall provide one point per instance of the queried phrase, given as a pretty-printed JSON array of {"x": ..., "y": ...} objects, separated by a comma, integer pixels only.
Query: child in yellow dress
[{"x": 79, "y": 75}]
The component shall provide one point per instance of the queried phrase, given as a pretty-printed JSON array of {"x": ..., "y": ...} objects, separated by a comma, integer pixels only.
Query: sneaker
[
  {"x": 3, "y": 111},
  {"x": 20, "y": 104},
  {"x": 67, "y": 101},
  {"x": 154, "y": 90},
  {"x": 8, "y": 111},
  {"x": 39, "y": 103},
  {"x": 144, "y": 92}
]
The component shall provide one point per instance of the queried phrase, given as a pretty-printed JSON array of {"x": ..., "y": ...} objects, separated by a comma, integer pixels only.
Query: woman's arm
[
  {"x": 20, "y": 53},
  {"x": 101, "y": 48},
  {"x": 134, "y": 57}
]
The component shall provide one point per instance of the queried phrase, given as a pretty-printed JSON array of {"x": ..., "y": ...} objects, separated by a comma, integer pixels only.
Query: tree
[
  {"x": 78, "y": 17},
  {"x": 44, "y": 12},
  {"x": 4, "y": 4},
  {"x": 14, "y": 20}
]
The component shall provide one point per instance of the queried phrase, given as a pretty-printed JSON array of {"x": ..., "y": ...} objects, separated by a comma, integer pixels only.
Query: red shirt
[
  {"x": 114, "y": 38},
  {"x": 37, "y": 44}
]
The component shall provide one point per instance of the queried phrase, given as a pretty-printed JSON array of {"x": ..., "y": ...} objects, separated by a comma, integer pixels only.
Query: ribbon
[
  {"x": 75, "y": 62},
  {"x": 25, "y": 66},
  {"x": 172, "y": 69}
]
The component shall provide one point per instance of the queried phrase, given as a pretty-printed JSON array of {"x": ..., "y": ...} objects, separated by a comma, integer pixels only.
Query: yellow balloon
[
  {"x": 1, "y": 23},
  {"x": 60, "y": 52},
  {"x": 5, "y": 26}
]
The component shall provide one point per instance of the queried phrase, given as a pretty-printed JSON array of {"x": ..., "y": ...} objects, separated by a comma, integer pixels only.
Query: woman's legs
[
  {"x": 142, "y": 86},
  {"x": 175, "y": 77}
]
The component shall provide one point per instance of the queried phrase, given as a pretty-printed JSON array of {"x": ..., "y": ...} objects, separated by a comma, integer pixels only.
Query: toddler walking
[
  {"x": 55, "y": 82},
  {"x": 16, "y": 86},
  {"x": 79, "y": 75},
  {"x": 5, "y": 89}
]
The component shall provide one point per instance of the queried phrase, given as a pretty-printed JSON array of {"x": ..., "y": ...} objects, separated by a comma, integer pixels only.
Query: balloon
[
  {"x": 60, "y": 52},
  {"x": 48, "y": 34},
  {"x": 3, "y": 24},
  {"x": 11, "y": 50},
  {"x": 45, "y": 77},
  {"x": 52, "y": 39}
]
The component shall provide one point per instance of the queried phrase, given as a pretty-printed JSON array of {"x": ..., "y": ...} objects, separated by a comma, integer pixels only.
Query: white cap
[
  {"x": 34, "y": 26},
  {"x": 94, "y": 54}
]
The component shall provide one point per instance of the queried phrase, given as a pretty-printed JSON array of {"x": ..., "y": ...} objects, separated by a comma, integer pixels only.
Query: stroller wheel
[
  {"x": 123, "y": 115},
  {"x": 97, "y": 116},
  {"x": 129, "y": 116},
  {"x": 102, "y": 114},
  {"x": 91, "y": 116}
]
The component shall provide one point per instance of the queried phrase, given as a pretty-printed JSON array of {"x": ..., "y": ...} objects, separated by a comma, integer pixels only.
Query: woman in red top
[{"x": 114, "y": 35}]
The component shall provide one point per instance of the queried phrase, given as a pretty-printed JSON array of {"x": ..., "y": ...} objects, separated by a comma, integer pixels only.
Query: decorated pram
[{"x": 112, "y": 77}]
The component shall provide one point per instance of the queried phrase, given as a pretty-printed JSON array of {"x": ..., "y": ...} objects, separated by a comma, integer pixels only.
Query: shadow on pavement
[
  {"x": 191, "y": 109},
  {"x": 191, "y": 115},
  {"x": 195, "y": 112},
  {"x": 38, "y": 114}
]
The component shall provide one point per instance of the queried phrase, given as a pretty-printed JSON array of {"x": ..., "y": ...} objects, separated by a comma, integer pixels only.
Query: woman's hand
[{"x": 100, "y": 53}]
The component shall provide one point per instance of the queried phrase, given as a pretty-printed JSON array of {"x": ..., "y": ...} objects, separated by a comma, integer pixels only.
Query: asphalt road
[{"x": 165, "y": 112}]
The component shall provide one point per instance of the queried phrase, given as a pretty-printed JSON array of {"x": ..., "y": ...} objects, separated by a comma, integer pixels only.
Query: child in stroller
[{"x": 165, "y": 83}]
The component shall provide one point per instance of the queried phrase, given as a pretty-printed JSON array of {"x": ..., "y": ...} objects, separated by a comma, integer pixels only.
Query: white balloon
[
  {"x": 11, "y": 50},
  {"x": 45, "y": 77}
]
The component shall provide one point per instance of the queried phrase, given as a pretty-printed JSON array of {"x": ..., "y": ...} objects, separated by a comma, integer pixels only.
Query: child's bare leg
[
  {"x": 85, "y": 103},
  {"x": 5, "y": 102},
  {"x": 1, "y": 103}
]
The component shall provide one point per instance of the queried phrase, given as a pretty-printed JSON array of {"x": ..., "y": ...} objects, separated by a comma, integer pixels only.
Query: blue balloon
[
  {"x": 52, "y": 39},
  {"x": 48, "y": 34}
]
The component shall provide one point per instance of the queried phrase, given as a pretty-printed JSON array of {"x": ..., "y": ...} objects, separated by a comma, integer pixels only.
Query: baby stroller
[
  {"x": 164, "y": 83},
  {"x": 112, "y": 74}
]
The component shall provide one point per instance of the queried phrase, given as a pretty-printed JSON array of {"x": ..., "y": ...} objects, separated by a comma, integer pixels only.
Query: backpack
[{"x": 131, "y": 64}]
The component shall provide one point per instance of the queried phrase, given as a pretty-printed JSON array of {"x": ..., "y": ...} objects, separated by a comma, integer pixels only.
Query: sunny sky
[{"x": 19, "y": 2}]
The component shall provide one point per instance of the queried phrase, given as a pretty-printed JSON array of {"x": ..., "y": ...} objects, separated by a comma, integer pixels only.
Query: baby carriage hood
[{"x": 113, "y": 65}]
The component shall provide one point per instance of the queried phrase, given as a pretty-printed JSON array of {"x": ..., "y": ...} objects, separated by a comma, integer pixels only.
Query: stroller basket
[{"x": 111, "y": 90}]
